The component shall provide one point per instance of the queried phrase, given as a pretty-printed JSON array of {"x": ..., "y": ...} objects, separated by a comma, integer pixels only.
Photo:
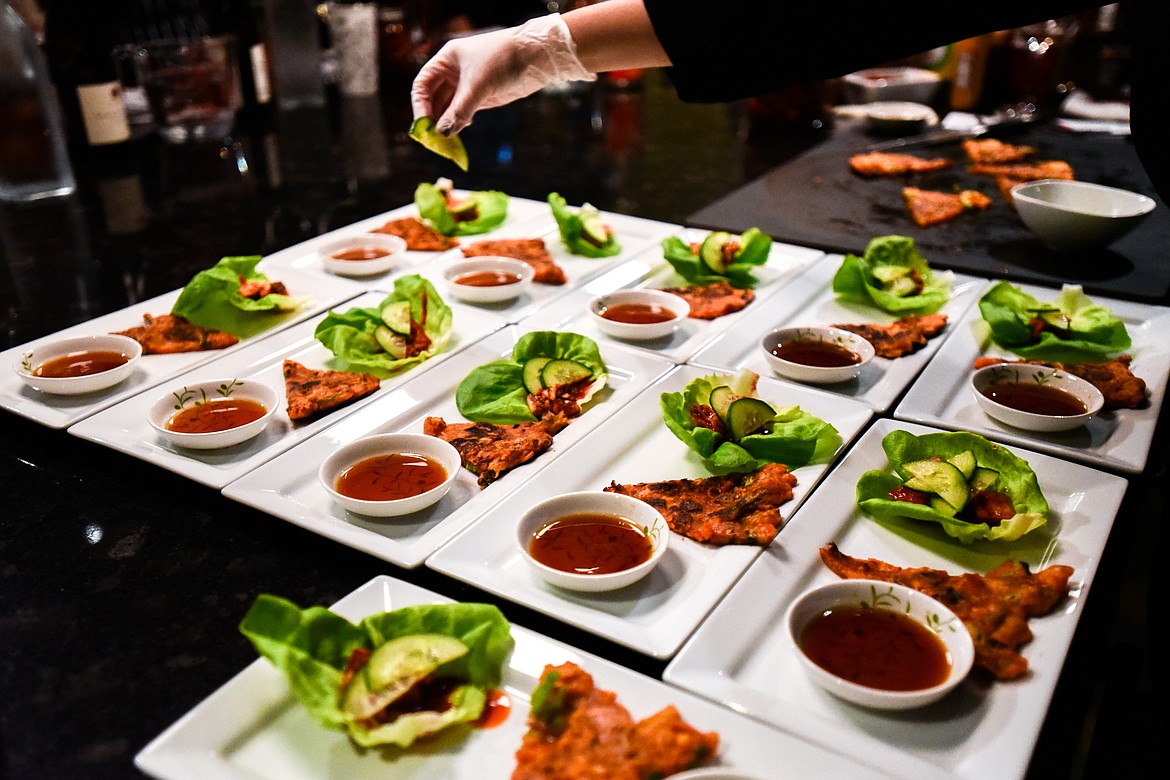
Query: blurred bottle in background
[
  {"x": 294, "y": 49},
  {"x": 34, "y": 163},
  {"x": 1099, "y": 61}
]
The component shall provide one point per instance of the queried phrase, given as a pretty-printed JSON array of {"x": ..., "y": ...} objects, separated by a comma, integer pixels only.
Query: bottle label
[
  {"x": 260, "y": 81},
  {"x": 103, "y": 112}
]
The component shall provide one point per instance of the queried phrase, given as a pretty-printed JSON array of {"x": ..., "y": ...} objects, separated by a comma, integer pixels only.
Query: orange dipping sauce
[
  {"x": 823, "y": 354},
  {"x": 221, "y": 414},
  {"x": 590, "y": 544},
  {"x": 360, "y": 253},
  {"x": 877, "y": 648},
  {"x": 487, "y": 278},
  {"x": 1037, "y": 399},
  {"x": 390, "y": 477},
  {"x": 82, "y": 363},
  {"x": 637, "y": 313}
]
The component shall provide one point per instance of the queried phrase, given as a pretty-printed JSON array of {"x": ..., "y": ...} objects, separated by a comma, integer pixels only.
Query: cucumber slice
[
  {"x": 562, "y": 372},
  {"x": 982, "y": 478},
  {"x": 942, "y": 507},
  {"x": 394, "y": 344},
  {"x": 964, "y": 462},
  {"x": 711, "y": 251},
  {"x": 394, "y": 668},
  {"x": 593, "y": 229},
  {"x": 939, "y": 477},
  {"x": 531, "y": 373},
  {"x": 396, "y": 316},
  {"x": 746, "y": 416},
  {"x": 888, "y": 273},
  {"x": 721, "y": 399}
]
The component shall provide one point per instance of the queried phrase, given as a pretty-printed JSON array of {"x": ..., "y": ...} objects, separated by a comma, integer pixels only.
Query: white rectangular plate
[
  {"x": 809, "y": 300},
  {"x": 303, "y": 256},
  {"x": 656, "y": 615},
  {"x": 741, "y": 657},
  {"x": 288, "y": 487},
  {"x": 124, "y": 426},
  {"x": 62, "y": 411},
  {"x": 254, "y": 728},
  {"x": 651, "y": 270},
  {"x": 1117, "y": 439}
]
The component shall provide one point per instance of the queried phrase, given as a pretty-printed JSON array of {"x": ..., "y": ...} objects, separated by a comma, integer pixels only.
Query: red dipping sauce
[
  {"x": 81, "y": 364},
  {"x": 221, "y": 414},
  {"x": 487, "y": 278},
  {"x": 390, "y": 477},
  {"x": 590, "y": 544},
  {"x": 360, "y": 253},
  {"x": 822, "y": 354},
  {"x": 637, "y": 313}
]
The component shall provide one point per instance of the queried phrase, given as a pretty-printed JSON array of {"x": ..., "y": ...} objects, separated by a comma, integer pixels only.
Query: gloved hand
[{"x": 493, "y": 69}]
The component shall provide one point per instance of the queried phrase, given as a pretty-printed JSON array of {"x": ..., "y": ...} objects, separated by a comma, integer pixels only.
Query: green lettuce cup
[
  {"x": 892, "y": 276},
  {"x": 720, "y": 256},
  {"x": 582, "y": 231},
  {"x": 975, "y": 489},
  {"x": 745, "y": 432},
  {"x": 478, "y": 212},
  {"x": 1070, "y": 329},
  {"x": 466, "y": 644},
  {"x": 212, "y": 299}
]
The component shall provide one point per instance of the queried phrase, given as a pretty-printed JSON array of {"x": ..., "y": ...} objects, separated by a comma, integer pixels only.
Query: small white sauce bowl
[
  {"x": 188, "y": 395},
  {"x": 358, "y": 450},
  {"x": 493, "y": 293},
  {"x": 636, "y": 331},
  {"x": 379, "y": 265},
  {"x": 77, "y": 385},
  {"x": 637, "y": 512},
  {"x": 899, "y": 116},
  {"x": 714, "y": 773},
  {"x": 1076, "y": 215},
  {"x": 817, "y": 375},
  {"x": 1002, "y": 373},
  {"x": 884, "y": 595}
]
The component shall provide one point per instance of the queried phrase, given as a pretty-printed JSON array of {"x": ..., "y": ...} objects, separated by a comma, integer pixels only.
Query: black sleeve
[{"x": 730, "y": 49}]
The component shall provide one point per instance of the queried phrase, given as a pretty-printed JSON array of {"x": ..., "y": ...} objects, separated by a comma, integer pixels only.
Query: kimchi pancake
[
  {"x": 490, "y": 450},
  {"x": 310, "y": 391},
  {"x": 169, "y": 333},
  {"x": 527, "y": 250}
]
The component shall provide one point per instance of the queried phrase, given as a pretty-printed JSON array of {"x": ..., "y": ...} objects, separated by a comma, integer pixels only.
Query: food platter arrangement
[{"x": 660, "y": 436}]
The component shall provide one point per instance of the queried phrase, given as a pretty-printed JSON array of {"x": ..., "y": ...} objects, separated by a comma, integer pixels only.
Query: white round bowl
[
  {"x": 917, "y": 85},
  {"x": 899, "y": 116},
  {"x": 593, "y": 502},
  {"x": 379, "y": 265},
  {"x": 76, "y": 385},
  {"x": 491, "y": 294},
  {"x": 186, "y": 396},
  {"x": 635, "y": 331},
  {"x": 714, "y": 773},
  {"x": 817, "y": 375},
  {"x": 1083, "y": 390},
  {"x": 1075, "y": 215},
  {"x": 883, "y": 595},
  {"x": 358, "y": 450}
]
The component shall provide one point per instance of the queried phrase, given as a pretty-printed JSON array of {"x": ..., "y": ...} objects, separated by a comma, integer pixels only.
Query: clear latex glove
[{"x": 493, "y": 69}]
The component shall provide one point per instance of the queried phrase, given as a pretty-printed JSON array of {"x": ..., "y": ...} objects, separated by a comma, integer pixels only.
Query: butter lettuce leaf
[
  {"x": 883, "y": 277},
  {"x": 350, "y": 334},
  {"x": 754, "y": 247},
  {"x": 451, "y": 147},
  {"x": 212, "y": 299},
  {"x": 1082, "y": 331},
  {"x": 491, "y": 207},
  {"x": 572, "y": 228},
  {"x": 495, "y": 392},
  {"x": 1016, "y": 480},
  {"x": 795, "y": 438},
  {"x": 312, "y": 647}
]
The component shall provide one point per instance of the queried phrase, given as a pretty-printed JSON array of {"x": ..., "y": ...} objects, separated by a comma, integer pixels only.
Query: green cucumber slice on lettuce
[
  {"x": 495, "y": 392},
  {"x": 795, "y": 439},
  {"x": 312, "y": 648},
  {"x": 884, "y": 277},
  {"x": 451, "y": 147},
  {"x": 1016, "y": 480},
  {"x": 212, "y": 299},
  {"x": 582, "y": 231},
  {"x": 752, "y": 251},
  {"x": 350, "y": 334},
  {"x": 491, "y": 211},
  {"x": 1077, "y": 329}
]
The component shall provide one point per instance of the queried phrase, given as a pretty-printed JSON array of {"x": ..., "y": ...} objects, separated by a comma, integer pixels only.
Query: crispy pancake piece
[
  {"x": 895, "y": 164},
  {"x": 490, "y": 450},
  {"x": 709, "y": 301},
  {"x": 1121, "y": 387},
  {"x": 900, "y": 337},
  {"x": 169, "y": 333},
  {"x": 528, "y": 250},
  {"x": 930, "y": 207},
  {"x": 995, "y": 607},
  {"x": 1008, "y": 175},
  {"x": 309, "y": 391},
  {"x": 580, "y": 732},
  {"x": 727, "y": 509},
  {"x": 418, "y": 235},
  {"x": 993, "y": 150}
]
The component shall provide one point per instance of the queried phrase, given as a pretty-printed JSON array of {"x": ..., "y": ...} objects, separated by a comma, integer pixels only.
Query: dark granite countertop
[{"x": 121, "y": 585}]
